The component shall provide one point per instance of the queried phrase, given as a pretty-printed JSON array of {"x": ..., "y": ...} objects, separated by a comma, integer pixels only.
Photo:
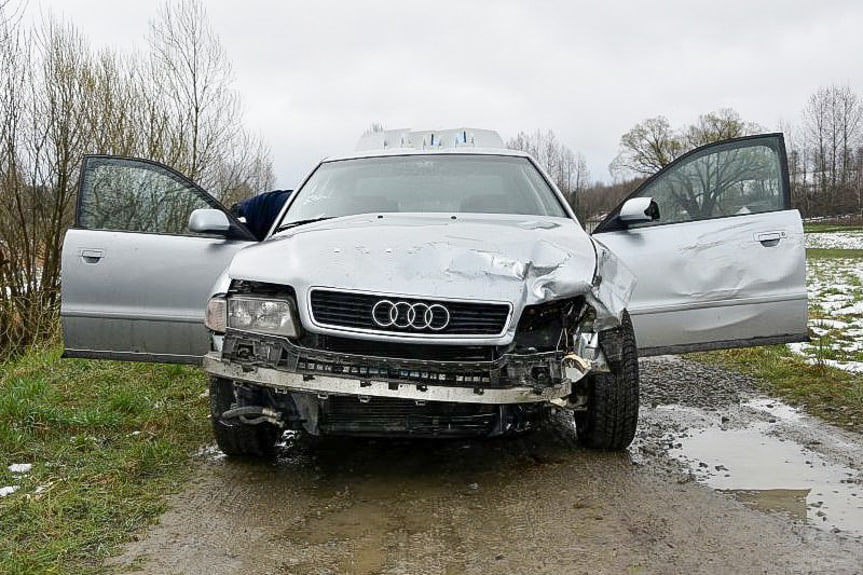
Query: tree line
[
  {"x": 61, "y": 99},
  {"x": 825, "y": 159}
]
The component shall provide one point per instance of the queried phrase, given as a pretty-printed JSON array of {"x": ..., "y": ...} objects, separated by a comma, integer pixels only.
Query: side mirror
[
  {"x": 208, "y": 221},
  {"x": 638, "y": 210}
]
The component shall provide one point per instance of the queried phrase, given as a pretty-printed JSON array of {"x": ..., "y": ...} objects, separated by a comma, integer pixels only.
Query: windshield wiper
[{"x": 302, "y": 222}]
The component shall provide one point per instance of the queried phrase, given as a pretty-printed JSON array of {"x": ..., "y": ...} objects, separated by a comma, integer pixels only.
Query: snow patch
[
  {"x": 835, "y": 240},
  {"x": 834, "y": 288},
  {"x": 854, "y": 309},
  {"x": 21, "y": 467},
  {"x": 852, "y": 366},
  {"x": 829, "y": 323}
]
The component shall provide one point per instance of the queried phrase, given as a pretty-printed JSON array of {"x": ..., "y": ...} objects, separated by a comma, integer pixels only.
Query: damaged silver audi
[{"x": 433, "y": 284}]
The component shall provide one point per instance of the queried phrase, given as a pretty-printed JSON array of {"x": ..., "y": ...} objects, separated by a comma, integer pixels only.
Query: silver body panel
[
  {"x": 139, "y": 296},
  {"x": 713, "y": 281}
]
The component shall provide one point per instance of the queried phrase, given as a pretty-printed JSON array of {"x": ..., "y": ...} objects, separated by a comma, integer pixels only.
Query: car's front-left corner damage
[{"x": 562, "y": 330}]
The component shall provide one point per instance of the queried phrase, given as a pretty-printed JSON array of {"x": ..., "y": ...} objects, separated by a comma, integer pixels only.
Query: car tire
[
  {"x": 612, "y": 399},
  {"x": 233, "y": 437}
]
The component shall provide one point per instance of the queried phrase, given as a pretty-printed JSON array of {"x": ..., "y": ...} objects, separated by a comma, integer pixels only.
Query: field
[{"x": 835, "y": 286}]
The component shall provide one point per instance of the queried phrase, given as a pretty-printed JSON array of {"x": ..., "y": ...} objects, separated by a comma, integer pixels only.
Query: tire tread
[{"x": 612, "y": 413}]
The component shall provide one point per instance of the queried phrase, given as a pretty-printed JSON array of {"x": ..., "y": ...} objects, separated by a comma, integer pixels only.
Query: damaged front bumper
[
  {"x": 337, "y": 386},
  {"x": 285, "y": 367},
  {"x": 324, "y": 385}
]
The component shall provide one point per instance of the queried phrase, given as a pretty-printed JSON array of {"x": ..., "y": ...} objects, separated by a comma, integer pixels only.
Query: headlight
[
  {"x": 276, "y": 316},
  {"x": 217, "y": 314}
]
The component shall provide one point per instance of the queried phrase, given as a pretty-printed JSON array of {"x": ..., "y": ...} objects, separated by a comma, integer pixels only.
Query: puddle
[{"x": 773, "y": 474}]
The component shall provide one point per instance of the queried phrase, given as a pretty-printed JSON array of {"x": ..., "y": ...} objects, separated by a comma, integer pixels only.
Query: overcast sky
[{"x": 313, "y": 74}]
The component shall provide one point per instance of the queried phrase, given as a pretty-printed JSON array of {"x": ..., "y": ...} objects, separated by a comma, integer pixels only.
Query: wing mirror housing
[
  {"x": 638, "y": 211},
  {"x": 209, "y": 221}
]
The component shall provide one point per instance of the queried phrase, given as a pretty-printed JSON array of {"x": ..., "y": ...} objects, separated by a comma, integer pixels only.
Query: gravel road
[{"x": 697, "y": 493}]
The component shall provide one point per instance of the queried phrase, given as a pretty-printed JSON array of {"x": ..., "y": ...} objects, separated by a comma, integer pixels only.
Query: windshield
[{"x": 446, "y": 183}]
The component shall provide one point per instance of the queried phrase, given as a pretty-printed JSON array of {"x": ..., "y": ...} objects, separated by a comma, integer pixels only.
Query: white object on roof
[{"x": 431, "y": 139}]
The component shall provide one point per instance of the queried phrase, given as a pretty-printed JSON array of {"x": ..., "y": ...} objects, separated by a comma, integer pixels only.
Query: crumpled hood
[
  {"x": 522, "y": 260},
  {"x": 500, "y": 258}
]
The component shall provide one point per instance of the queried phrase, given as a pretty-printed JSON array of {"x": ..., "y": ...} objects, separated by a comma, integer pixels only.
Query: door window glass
[
  {"x": 731, "y": 179},
  {"x": 136, "y": 196}
]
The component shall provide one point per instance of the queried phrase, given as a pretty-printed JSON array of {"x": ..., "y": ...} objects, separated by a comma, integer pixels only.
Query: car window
[
  {"x": 737, "y": 178},
  {"x": 425, "y": 183},
  {"x": 137, "y": 196}
]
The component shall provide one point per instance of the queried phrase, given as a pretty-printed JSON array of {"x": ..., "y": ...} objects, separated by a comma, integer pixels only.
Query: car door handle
[
  {"x": 769, "y": 239},
  {"x": 91, "y": 255}
]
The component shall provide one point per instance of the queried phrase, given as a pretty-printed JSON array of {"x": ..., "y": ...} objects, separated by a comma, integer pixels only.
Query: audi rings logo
[{"x": 404, "y": 315}]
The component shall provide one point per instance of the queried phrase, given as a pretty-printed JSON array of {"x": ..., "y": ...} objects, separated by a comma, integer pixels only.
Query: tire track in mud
[{"x": 530, "y": 504}]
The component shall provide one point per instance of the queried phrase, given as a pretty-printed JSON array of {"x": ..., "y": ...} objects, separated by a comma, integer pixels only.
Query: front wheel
[
  {"x": 233, "y": 436},
  {"x": 612, "y": 399}
]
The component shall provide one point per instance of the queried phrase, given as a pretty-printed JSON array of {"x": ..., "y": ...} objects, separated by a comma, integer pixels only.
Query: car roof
[{"x": 389, "y": 152}]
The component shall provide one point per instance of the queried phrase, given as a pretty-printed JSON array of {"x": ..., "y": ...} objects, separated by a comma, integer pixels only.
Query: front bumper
[{"x": 325, "y": 385}]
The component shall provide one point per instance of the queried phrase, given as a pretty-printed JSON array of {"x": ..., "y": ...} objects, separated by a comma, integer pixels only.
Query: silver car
[{"x": 433, "y": 284}]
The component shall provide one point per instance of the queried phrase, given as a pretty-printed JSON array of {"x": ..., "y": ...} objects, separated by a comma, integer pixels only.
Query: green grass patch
[
  {"x": 832, "y": 253},
  {"x": 833, "y": 394},
  {"x": 107, "y": 440},
  {"x": 817, "y": 228}
]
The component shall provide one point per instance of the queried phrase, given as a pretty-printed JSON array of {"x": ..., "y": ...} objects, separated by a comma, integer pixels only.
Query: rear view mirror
[
  {"x": 208, "y": 221},
  {"x": 638, "y": 210}
]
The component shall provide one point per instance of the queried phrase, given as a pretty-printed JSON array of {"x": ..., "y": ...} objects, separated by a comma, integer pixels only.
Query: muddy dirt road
[{"x": 718, "y": 481}]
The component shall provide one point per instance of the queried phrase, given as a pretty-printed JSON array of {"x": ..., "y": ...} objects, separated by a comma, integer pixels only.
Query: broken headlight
[
  {"x": 263, "y": 315},
  {"x": 541, "y": 326}
]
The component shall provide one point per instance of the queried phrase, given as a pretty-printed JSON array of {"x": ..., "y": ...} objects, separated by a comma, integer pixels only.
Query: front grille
[
  {"x": 398, "y": 350},
  {"x": 356, "y": 311}
]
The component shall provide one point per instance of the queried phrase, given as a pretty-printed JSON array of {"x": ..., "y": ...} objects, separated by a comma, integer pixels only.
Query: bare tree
[
  {"x": 566, "y": 168},
  {"x": 244, "y": 170},
  {"x": 833, "y": 127},
  {"x": 194, "y": 77},
  {"x": 112, "y": 100},
  {"x": 28, "y": 213},
  {"x": 722, "y": 124},
  {"x": 63, "y": 101},
  {"x": 798, "y": 168},
  {"x": 647, "y": 148}
]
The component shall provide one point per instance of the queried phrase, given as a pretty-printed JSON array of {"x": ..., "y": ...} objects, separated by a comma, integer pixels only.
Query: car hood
[
  {"x": 524, "y": 258},
  {"x": 521, "y": 260}
]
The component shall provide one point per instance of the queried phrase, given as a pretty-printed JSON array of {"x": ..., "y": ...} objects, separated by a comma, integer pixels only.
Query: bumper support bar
[{"x": 325, "y": 385}]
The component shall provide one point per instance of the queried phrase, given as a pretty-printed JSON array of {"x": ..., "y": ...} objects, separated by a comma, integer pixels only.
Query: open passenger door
[
  {"x": 723, "y": 264},
  {"x": 135, "y": 278}
]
